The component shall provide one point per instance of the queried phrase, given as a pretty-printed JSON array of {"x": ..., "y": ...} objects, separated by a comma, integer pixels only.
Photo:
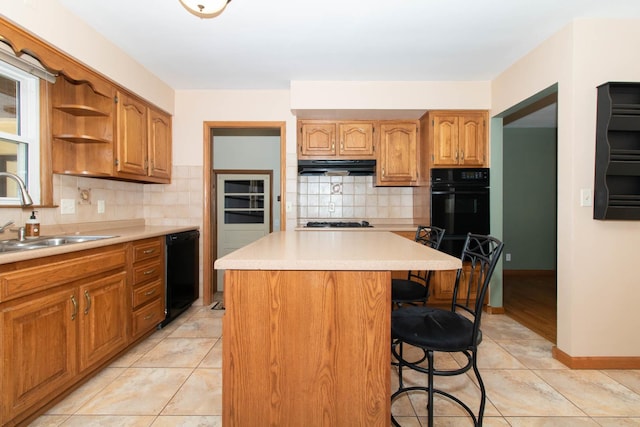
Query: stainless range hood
[{"x": 337, "y": 167}]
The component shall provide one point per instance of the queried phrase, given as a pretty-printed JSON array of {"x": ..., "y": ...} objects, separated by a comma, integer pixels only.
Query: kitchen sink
[{"x": 47, "y": 242}]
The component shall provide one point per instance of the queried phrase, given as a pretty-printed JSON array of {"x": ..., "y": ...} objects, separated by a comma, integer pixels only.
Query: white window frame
[{"x": 28, "y": 132}]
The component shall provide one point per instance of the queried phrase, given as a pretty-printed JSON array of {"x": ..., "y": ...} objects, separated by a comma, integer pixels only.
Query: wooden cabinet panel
[
  {"x": 147, "y": 318},
  {"x": 159, "y": 145},
  {"x": 103, "y": 326},
  {"x": 143, "y": 294},
  {"x": 38, "y": 353},
  {"x": 147, "y": 285},
  {"x": 458, "y": 138},
  {"x": 442, "y": 284},
  {"x": 131, "y": 146},
  {"x": 318, "y": 139},
  {"x": 398, "y": 153},
  {"x": 27, "y": 277},
  {"x": 336, "y": 139},
  {"x": 472, "y": 141},
  {"x": 356, "y": 139},
  {"x": 304, "y": 353}
]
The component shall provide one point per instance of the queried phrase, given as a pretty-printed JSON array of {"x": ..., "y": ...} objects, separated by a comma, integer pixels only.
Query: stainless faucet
[
  {"x": 4, "y": 227},
  {"x": 24, "y": 194}
]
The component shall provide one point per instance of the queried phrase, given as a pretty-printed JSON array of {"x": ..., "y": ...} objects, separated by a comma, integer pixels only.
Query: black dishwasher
[{"x": 181, "y": 282}]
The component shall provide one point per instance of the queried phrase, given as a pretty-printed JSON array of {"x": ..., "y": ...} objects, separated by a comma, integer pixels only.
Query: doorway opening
[
  {"x": 530, "y": 213},
  {"x": 233, "y": 147}
]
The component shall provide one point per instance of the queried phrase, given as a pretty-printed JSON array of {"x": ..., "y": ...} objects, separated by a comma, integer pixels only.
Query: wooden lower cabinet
[
  {"x": 39, "y": 358},
  {"x": 442, "y": 283},
  {"x": 65, "y": 316}
]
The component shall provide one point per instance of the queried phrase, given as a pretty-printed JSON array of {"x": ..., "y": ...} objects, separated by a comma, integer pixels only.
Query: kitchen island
[{"x": 307, "y": 326}]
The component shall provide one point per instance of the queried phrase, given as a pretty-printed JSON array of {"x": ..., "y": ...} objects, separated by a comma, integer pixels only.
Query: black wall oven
[{"x": 459, "y": 204}]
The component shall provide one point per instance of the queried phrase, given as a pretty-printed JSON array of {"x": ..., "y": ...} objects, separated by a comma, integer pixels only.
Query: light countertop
[
  {"x": 124, "y": 231},
  {"x": 336, "y": 250}
]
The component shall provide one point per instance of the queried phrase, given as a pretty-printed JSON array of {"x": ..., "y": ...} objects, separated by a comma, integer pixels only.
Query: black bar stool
[{"x": 456, "y": 330}]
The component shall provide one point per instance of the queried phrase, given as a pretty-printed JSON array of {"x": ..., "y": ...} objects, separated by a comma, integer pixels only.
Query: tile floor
[{"x": 174, "y": 378}]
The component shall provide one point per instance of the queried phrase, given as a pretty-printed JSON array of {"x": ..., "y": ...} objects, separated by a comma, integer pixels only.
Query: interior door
[{"x": 243, "y": 212}]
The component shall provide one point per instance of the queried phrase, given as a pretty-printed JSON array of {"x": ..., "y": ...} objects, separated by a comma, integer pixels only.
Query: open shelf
[
  {"x": 617, "y": 169},
  {"x": 82, "y": 139},
  {"x": 81, "y": 110}
]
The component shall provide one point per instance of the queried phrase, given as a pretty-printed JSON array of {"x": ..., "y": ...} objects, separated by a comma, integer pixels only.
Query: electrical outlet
[
  {"x": 332, "y": 207},
  {"x": 67, "y": 206},
  {"x": 507, "y": 257},
  {"x": 100, "y": 206}
]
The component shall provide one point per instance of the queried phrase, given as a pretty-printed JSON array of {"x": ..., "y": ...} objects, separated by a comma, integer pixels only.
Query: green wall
[{"x": 529, "y": 198}]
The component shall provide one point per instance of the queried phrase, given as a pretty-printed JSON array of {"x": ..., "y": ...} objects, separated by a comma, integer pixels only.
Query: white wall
[
  {"x": 597, "y": 277},
  {"x": 47, "y": 18}
]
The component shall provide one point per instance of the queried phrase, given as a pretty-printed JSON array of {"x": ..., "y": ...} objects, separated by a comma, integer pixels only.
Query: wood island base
[{"x": 306, "y": 348}]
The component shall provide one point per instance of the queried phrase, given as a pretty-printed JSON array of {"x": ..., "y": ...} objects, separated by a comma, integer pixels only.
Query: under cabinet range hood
[{"x": 337, "y": 167}]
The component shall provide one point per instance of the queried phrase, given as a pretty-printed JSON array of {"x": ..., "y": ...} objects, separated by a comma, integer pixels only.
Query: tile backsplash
[
  {"x": 351, "y": 197},
  {"x": 178, "y": 203}
]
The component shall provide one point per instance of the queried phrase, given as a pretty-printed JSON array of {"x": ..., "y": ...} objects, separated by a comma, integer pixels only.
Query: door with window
[{"x": 243, "y": 212}]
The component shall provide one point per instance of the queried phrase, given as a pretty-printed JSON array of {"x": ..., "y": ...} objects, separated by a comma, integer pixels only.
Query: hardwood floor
[{"x": 529, "y": 297}]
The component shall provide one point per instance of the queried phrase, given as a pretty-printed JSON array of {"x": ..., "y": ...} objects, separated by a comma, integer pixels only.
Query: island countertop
[{"x": 336, "y": 250}]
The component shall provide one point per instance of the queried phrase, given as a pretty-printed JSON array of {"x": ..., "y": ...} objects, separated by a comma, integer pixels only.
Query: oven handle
[{"x": 454, "y": 191}]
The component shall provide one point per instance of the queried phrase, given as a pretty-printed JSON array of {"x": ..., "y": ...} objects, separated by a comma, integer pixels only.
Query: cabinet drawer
[
  {"x": 147, "y": 318},
  {"x": 147, "y": 272},
  {"x": 147, "y": 249},
  {"x": 146, "y": 293}
]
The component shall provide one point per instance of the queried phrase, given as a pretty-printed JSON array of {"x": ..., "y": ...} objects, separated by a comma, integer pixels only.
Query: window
[{"x": 19, "y": 133}]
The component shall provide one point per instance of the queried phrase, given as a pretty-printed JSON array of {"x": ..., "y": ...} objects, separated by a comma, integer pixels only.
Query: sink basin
[{"x": 46, "y": 242}]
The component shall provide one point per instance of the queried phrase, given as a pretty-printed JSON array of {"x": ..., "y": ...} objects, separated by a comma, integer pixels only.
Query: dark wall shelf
[{"x": 617, "y": 170}]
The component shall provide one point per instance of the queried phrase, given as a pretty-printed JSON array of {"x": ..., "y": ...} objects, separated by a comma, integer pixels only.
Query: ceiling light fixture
[{"x": 205, "y": 8}]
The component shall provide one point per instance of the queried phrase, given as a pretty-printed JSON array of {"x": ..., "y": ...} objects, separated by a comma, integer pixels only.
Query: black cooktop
[{"x": 337, "y": 224}]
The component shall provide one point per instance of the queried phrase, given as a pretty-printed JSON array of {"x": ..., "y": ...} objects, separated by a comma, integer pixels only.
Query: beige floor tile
[
  {"x": 201, "y": 394},
  {"x": 109, "y": 421},
  {"x": 87, "y": 391},
  {"x": 213, "y": 359},
  {"x": 188, "y": 421},
  {"x": 462, "y": 387},
  {"x": 628, "y": 378},
  {"x": 137, "y": 391},
  {"x": 199, "y": 327},
  {"x": 177, "y": 353},
  {"x": 595, "y": 393},
  {"x": 133, "y": 355},
  {"x": 618, "y": 422},
  {"x": 49, "y": 421},
  {"x": 534, "y": 354},
  {"x": 464, "y": 422},
  {"x": 523, "y": 393},
  {"x": 551, "y": 422},
  {"x": 500, "y": 327},
  {"x": 491, "y": 356},
  {"x": 408, "y": 421}
]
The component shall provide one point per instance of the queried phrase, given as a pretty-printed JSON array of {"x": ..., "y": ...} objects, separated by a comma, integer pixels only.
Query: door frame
[{"x": 209, "y": 232}]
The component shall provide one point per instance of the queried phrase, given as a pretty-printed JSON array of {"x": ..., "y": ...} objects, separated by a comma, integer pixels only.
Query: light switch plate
[
  {"x": 67, "y": 206},
  {"x": 586, "y": 199}
]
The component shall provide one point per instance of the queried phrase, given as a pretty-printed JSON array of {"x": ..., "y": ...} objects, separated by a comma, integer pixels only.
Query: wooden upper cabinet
[
  {"x": 331, "y": 139},
  {"x": 159, "y": 144},
  {"x": 143, "y": 145},
  {"x": 356, "y": 139},
  {"x": 397, "y": 162},
  {"x": 131, "y": 146},
  {"x": 458, "y": 138}
]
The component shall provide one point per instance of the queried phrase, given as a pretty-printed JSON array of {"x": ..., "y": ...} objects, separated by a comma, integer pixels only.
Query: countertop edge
[{"x": 122, "y": 235}]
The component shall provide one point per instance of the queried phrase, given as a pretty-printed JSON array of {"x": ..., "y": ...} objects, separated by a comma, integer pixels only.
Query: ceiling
[{"x": 260, "y": 44}]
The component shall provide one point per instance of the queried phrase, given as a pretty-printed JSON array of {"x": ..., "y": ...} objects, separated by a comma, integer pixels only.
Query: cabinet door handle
[
  {"x": 333, "y": 145},
  {"x": 462, "y": 155},
  {"x": 382, "y": 171},
  {"x": 75, "y": 307},
  {"x": 151, "y": 292},
  {"x": 148, "y": 251},
  {"x": 88, "y": 298},
  {"x": 148, "y": 316},
  {"x": 146, "y": 273}
]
